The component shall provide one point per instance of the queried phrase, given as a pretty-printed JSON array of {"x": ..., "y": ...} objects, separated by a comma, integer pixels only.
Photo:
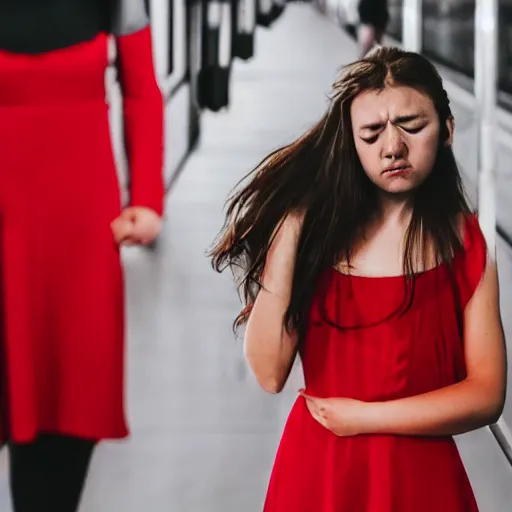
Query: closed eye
[
  {"x": 416, "y": 129},
  {"x": 372, "y": 139}
]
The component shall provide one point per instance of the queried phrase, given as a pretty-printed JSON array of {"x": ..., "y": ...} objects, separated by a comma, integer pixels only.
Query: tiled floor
[{"x": 203, "y": 434}]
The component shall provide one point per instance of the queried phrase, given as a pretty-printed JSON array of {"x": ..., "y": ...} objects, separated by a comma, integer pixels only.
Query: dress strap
[{"x": 473, "y": 261}]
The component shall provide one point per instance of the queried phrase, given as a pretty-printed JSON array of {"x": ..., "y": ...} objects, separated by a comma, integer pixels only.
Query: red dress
[
  {"x": 421, "y": 351},
  {"x": 62, "y": 341}
]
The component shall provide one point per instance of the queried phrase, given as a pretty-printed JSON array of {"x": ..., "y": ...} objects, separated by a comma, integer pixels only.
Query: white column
[
  {"x": 160, "y": 32},
  {"x": 264, "y": 6},
  {"x": 486, "y": 63},
  {"x": 225, "y": 36},
  {"x": 412, "y": 25},
  {"x": 246, "y": 16}
]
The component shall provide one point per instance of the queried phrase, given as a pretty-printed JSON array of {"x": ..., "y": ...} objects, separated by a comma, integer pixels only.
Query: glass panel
[
  {"x": 505, "y": 45},
  {"x": 449, "y": 33},
  {"x": 394, "y": 28}
]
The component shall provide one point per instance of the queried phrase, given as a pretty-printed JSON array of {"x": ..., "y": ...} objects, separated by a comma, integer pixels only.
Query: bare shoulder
[
  {"x": 465, "y": 222},
  {"x": 295, "y": 219},
  {"x": 287, "y": 232},
  {"x": 486, "y": 281},
  {"x": 291, "y": 223}
]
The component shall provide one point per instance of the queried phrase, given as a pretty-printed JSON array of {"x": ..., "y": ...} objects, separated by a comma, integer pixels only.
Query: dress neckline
[
  {"x": 394, "y": 277},
  {"x": 470, "y": 220}
]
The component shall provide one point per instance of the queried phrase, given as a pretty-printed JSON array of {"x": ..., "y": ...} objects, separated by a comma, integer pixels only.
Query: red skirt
[{"x": 62, "y": 357}]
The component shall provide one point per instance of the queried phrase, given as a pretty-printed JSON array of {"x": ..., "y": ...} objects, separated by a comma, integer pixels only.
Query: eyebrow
[{"x": 396, "y": 120}]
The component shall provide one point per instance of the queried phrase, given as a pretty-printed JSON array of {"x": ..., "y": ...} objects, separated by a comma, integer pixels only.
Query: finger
[
  {"x": 316, "y": 416},
  {"x": 312, "y": 399},
  {"x": 129, "y": 214},
  {"x": 116, "y": 223},
  {"x": 123, "y": 234},
  {"x": 313, "y": 409},
  {"x": 145, "y": 232},
  {"x": 141, "y": 230},
  {"x": 302, "y": 392},
  {"x": 118, "y": 234},
  {"x": 139, "y": 237},
  {"x": 122, "y": 230}
]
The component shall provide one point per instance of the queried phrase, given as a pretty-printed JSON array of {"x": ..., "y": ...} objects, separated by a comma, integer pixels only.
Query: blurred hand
[{"x": 136, "y": 225}]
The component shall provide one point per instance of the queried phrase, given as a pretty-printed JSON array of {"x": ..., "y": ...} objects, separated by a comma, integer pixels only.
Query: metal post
[
  {"x": 412, "y": 25},
  {"x": 486, "y": 73}
]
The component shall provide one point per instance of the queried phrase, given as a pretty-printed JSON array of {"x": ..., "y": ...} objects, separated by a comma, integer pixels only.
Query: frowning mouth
[{"x": 397, "y": 169}]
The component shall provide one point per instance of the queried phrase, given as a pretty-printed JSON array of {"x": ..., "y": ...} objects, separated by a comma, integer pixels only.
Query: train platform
[{"x": 203, "y": 434}]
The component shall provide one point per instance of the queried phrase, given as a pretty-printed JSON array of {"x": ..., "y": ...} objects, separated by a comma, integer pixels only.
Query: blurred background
[{"x": 240, "y": 78}]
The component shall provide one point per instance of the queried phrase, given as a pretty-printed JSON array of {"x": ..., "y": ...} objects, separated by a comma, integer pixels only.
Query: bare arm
[
  {"x": 473, "y": 403},
  {"x": 269, "y": 348}
]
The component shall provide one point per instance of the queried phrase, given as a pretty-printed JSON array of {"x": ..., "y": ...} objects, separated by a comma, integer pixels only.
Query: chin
[
  {"x": 398, "y": 189},
  {"x": 401, "y": 184}
]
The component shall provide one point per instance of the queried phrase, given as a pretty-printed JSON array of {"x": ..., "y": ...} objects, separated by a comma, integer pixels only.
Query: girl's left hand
[{"x": 342, "y": 416}]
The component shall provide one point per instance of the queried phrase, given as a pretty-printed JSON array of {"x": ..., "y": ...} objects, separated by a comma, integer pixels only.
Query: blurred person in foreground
[
  {"x": 357, "y": 252},
  {"x": 62, "y": 344}
]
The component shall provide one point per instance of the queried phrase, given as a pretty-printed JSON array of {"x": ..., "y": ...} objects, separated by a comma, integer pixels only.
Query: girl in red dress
[
  {"x": 360, "y": 254},
  {"x": 61, "y": 224}
]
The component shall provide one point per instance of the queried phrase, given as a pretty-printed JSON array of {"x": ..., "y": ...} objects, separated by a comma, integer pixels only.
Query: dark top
[
  {"x": 37, "y": 26},
  {"x": 374, "y": 13}
]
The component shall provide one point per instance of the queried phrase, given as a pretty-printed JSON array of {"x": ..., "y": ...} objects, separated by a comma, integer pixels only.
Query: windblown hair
[{"x": 320, "y": 176}]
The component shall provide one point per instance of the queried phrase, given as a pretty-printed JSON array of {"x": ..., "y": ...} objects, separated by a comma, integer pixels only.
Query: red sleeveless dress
[{"x": 379, "y": 356}]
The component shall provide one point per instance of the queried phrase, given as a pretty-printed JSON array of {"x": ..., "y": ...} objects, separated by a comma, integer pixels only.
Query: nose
[{"x": 394, "y": 146}]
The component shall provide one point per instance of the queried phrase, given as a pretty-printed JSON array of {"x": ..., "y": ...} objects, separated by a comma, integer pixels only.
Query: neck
[{"x": 396, "y": 209}]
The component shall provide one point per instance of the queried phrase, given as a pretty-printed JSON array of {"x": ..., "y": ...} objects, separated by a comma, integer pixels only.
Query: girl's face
[{"x": 396, "y": 135}]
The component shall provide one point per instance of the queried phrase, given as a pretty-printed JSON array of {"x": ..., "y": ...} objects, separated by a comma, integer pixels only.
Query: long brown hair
[{"x": 320, "y": 174}]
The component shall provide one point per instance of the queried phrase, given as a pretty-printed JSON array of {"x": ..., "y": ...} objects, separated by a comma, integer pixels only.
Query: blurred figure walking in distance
[{"x": 373, "y": 20}]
